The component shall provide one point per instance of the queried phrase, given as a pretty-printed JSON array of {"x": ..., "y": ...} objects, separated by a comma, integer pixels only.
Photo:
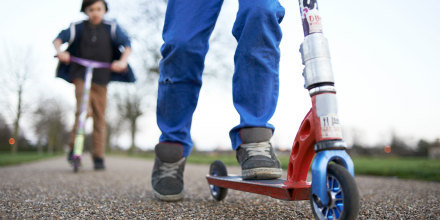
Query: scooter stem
[
  {"x": 319, "y": 80},
  {"x": 320, "y": 131}
]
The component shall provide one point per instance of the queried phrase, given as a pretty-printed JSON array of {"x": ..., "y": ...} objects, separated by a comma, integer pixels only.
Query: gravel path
[{"x": 49, "y": 189}]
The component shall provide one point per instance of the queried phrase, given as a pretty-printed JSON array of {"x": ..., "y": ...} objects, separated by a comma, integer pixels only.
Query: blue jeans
[{"x": 188, "y": 26}]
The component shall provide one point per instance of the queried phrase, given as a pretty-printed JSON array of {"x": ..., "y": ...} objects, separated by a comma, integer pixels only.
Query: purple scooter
[{"x": 79, "y": 137}]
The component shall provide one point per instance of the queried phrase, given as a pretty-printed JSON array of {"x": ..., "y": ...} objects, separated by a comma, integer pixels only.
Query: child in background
[{"x": 100, "y": 40}]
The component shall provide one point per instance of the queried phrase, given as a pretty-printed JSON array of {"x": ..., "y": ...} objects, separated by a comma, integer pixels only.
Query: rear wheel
[
  {"x": 218, "y": 168},
  {"x": 343, "y": 196}
]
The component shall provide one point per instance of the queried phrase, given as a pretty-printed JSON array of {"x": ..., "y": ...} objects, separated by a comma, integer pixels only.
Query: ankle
[
  {"x": 255, "y": 135},
  {"x": 169, "y": 152}
]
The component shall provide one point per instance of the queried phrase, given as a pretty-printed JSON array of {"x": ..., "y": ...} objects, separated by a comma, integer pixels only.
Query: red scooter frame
[{"x": 296, "y": 186}]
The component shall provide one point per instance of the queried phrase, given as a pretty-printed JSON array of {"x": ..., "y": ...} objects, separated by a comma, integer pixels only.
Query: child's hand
[
  {"x": 119, "y": 66},
  {"x": 64, "y": 57}
]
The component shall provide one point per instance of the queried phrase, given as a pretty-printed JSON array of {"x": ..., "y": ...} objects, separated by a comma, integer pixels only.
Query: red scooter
[{"x": 333, "y": 192}]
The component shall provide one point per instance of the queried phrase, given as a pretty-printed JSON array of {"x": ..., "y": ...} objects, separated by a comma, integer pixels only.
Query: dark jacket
[{"x": 119, "y": 40}]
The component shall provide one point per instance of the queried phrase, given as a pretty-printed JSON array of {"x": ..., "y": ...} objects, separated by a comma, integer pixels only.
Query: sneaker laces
[
  {"x": 170, "y": 169},
  {"x": 258, "y": 149}
]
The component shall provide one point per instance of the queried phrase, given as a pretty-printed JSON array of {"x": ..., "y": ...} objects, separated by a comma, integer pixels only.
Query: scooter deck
[{"x": 276, "y": 188}]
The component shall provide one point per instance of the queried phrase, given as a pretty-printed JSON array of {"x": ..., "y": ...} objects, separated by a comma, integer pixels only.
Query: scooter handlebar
[{"x": 89, "y": 63}]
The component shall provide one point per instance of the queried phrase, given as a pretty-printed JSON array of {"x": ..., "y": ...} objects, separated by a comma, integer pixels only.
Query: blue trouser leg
[
  {"x": 188, "y": 26},
  {"x": 257, "y": 57}
]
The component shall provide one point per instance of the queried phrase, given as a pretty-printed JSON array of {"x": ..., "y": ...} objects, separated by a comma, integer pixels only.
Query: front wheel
[
  {"x": 343, "y": 196},
  {"x": 218, "y": 168}
]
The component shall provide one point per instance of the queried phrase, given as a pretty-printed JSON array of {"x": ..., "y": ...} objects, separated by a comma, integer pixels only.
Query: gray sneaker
[
  {"x": 167, "y": 177},
  {"x": 256, "y": 155}
]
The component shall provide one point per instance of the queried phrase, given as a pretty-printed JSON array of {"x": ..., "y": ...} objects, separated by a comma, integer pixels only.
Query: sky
[{"x": 384, "y": 55}]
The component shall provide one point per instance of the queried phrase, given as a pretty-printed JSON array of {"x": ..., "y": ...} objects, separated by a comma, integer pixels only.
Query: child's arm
[
  {"x": 121, "y": 64},
  {"x": 63, "y": 37},
  {"x": 63, "y": 56},
  {"x": 122, "y": 40}
]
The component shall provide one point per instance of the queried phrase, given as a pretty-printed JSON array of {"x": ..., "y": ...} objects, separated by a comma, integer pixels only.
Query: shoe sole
[
  {"x": 168, "y": 198},
  {"x": 262, "y": 173}
]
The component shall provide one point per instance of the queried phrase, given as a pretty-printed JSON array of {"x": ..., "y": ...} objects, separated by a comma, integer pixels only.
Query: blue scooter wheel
[
  {"x": 343, "y": 195},
  {"x": 218, "y": 168}
]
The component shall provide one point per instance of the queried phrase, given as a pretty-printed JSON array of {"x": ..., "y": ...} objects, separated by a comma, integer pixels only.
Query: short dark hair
[{"x": 87, "y": 3}]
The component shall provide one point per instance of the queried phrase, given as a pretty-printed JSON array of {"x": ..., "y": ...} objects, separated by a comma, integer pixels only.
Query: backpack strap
[
  {"x": 73, "y": 31},
  {"x": 112, "y": 25}
]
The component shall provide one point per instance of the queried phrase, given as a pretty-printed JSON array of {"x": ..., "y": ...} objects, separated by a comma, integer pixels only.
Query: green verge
[
  {"x": 6, "y": 158},
  {"x": 401, "y": 167},
  {"x": 406, "y": 168}
]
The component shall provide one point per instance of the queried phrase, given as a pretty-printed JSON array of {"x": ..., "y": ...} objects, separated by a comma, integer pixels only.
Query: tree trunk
[
  {"x": 39, "y": 147},
  {"x": 133, "y": 135},
  {"x": 50, "y": 140},
  {"x": 14, "y": 148},
  {"x": 108, "y": 147}
]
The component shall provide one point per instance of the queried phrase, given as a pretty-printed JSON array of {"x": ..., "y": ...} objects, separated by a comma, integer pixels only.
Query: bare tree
[
  {"x": 130, "y": 110},
  {"x": 17, "y": 68},
  {"x": 50, "y": 125},
  {"x": 399, "y": 146},
  {"x": 5, "y": 134},
  {"x": 114, "y": 130}
]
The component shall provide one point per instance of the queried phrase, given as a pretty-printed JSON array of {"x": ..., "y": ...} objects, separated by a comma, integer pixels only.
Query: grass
[
  {"x": 405, "y": 168},
  {"x": 7, "y": 158}
]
